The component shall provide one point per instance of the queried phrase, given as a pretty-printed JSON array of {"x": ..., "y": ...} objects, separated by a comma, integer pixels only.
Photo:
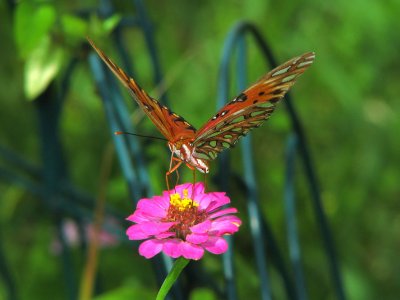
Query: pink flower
[
  {"x": 72, "y": 237},
  {"x": 183, "y": 222}
]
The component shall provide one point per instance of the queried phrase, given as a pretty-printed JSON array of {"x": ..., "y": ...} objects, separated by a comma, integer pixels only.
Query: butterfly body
[
  {"x": 246, "y": 111},
  {"x": 184, "y": 151}
]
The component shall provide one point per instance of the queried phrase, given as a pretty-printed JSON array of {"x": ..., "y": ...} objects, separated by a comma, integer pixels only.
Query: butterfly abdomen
[{"x": 184, "y": 151}]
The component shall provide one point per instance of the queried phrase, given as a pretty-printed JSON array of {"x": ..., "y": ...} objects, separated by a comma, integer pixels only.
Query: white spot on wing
[
  {"x": 281, "y": 71},
  {"x": 304, "y": 63},
  {"x": 289, "y": 78}
]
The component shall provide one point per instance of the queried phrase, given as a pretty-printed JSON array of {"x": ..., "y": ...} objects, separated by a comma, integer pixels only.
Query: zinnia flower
[{"x": 184, "y": 222}]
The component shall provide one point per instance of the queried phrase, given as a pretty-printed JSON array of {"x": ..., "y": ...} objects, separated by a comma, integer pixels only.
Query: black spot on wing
[
  {"x": 274, "y": 100},
  {"x": 277, "y": 92},
  {"x": 241, "y": 98}
]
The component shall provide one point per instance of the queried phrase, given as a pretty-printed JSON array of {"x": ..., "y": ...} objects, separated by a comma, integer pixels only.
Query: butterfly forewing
[
  {"x": 249, "y": 109},
  {"x": 171, "y": 125},
  {"x": 245, "y": 112}
]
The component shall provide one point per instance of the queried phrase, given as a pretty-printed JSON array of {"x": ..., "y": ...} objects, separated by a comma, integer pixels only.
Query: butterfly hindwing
[
  {"x": 171, "y": 125},
  {"x": 249, "y": 109}
]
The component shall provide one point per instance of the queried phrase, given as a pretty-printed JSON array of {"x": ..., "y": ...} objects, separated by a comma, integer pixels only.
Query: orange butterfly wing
[
  {"x": 248, "y": 110},
  {"x": 171, "y": 125}
]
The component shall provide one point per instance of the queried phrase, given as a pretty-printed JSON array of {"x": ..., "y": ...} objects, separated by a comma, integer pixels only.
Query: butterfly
[{"x": 248, "y": 110}]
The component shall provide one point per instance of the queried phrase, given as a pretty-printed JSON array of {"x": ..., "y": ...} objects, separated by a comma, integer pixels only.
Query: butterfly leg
[
  {"x": 194, "y": 181},
  {"x": 172, "y": 168},
  {"x": 177, "y": 177}
]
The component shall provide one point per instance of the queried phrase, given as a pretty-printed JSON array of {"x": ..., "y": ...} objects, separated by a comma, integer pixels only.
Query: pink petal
[
  {"x": 162, "y": 202},
  {"x": 172, "y": 247},
  {"x": 230, "y": 210},
  {"x": 155, "y": 228},
  {"x": 229, "y": 218},
  {"x": 190, "y": 251},
  {"x": 146, "y": 230},
  {"x": 167, "y": 194},
  {"x": 226, "y": 229},
  {"x": 219, "y": 198},
  {"x": 139, "y": 216},
  {"x": 151, "y": 208},
  {"x": 226, "y": 226},
  {"x": 201, "y": 227},
  {"x": 216, "y": 245},
  {"x": 198, "y": 189},
  {"x": 134, "y": 232},
  {"x": 203, "y": 200},
  {"x": 186, "y": 186},
  {"x": 165, "y": 235},
  {"x": 197, "y": 238},
  {"x": 208, "y": 204},
  {"x": 150, "y": 248}
]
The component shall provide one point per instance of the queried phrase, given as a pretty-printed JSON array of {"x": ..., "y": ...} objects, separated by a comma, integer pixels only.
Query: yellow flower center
[
  {"x": 182, "y": 204},
  {"x": 185, "y": 212}
]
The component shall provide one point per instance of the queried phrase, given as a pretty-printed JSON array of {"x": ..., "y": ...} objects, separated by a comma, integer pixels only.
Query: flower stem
[{"x": 173, "y": 275}]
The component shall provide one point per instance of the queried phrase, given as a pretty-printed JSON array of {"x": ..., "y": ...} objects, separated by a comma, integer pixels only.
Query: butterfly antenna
[{"x": 141, "y": 135}]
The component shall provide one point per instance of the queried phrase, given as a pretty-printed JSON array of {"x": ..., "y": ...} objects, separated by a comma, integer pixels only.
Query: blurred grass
[{"x": 347, "y": 101}]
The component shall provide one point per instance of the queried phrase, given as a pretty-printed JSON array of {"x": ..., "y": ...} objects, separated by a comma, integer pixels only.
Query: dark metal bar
[{"x": 290, "y": 211}]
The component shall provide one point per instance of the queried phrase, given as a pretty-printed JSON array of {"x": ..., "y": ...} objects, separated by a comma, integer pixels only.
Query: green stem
[{"x": 173, "y": 275}]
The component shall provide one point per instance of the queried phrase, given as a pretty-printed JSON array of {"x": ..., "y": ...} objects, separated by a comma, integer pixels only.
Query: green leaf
[
  {"x": 32, "y": 24},
  {"x": 74, "y": 27},
  {"x": 99, "y": 28},
  {"x": 110, "y": 23},
  {"x": 42, "y": 65}
]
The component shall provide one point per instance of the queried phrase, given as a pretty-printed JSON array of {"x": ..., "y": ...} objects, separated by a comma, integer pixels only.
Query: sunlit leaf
[
  {"x": 100, "y": 27},
  {"x": 41, "y": 67},
  {"x": 32, "y": 24}
]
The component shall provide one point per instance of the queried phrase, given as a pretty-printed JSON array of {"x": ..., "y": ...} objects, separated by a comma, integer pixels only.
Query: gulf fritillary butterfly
[{"x": 245, "y": 112}]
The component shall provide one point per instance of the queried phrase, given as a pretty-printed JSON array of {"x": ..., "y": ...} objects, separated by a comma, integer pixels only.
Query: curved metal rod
[
  {"x": 240, "y": 29},
  {"x": 235, "y": 37},
  {"x": 290, "y": 211}
]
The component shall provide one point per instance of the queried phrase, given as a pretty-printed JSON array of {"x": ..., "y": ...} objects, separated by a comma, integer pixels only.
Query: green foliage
[
  {"x": 73, "y": 27},
  {"x": 130, "y": 289},
  {"x": 203, "y": 294},
  {"x": 33, "y": 23},
  {"x": 41, "y": 67},
  {"x": 38, "y": 29}
]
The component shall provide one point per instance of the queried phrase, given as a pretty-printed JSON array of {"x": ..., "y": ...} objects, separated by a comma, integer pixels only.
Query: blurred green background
[{"x": 346, "y": 101}]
